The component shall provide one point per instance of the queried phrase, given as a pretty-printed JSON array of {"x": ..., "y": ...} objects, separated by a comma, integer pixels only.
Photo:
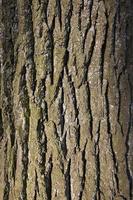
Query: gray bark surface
[{"x": 66, "y": 107}]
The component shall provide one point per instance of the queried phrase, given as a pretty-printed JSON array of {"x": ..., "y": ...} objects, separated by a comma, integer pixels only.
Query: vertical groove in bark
[
  {"x": 66, "y": 99},
  {"x": 129, "y": 172},
  {"x": 107, "y": 112},
  {"x": 48, "y": 179},
  {"x": 24, "y": 99},
  {"x": 97, "y": 163},
  {"x": 1, "y": 126},
  {"x": 6, "y": 178},
  {"x": 68, "y": 181}
]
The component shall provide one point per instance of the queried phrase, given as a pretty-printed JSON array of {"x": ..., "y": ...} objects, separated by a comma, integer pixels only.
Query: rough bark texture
[{"x": 66, "y": 109}]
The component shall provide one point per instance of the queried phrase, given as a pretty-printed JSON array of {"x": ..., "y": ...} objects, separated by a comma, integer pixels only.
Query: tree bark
[{"x": 66, "y": 109}]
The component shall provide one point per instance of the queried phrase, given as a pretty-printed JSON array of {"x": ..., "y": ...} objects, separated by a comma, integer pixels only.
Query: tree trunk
[{"x": 66, "y": 109}]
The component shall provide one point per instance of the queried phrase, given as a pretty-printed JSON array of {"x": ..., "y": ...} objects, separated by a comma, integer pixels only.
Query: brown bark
[{"x": 66, "y": 109}]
